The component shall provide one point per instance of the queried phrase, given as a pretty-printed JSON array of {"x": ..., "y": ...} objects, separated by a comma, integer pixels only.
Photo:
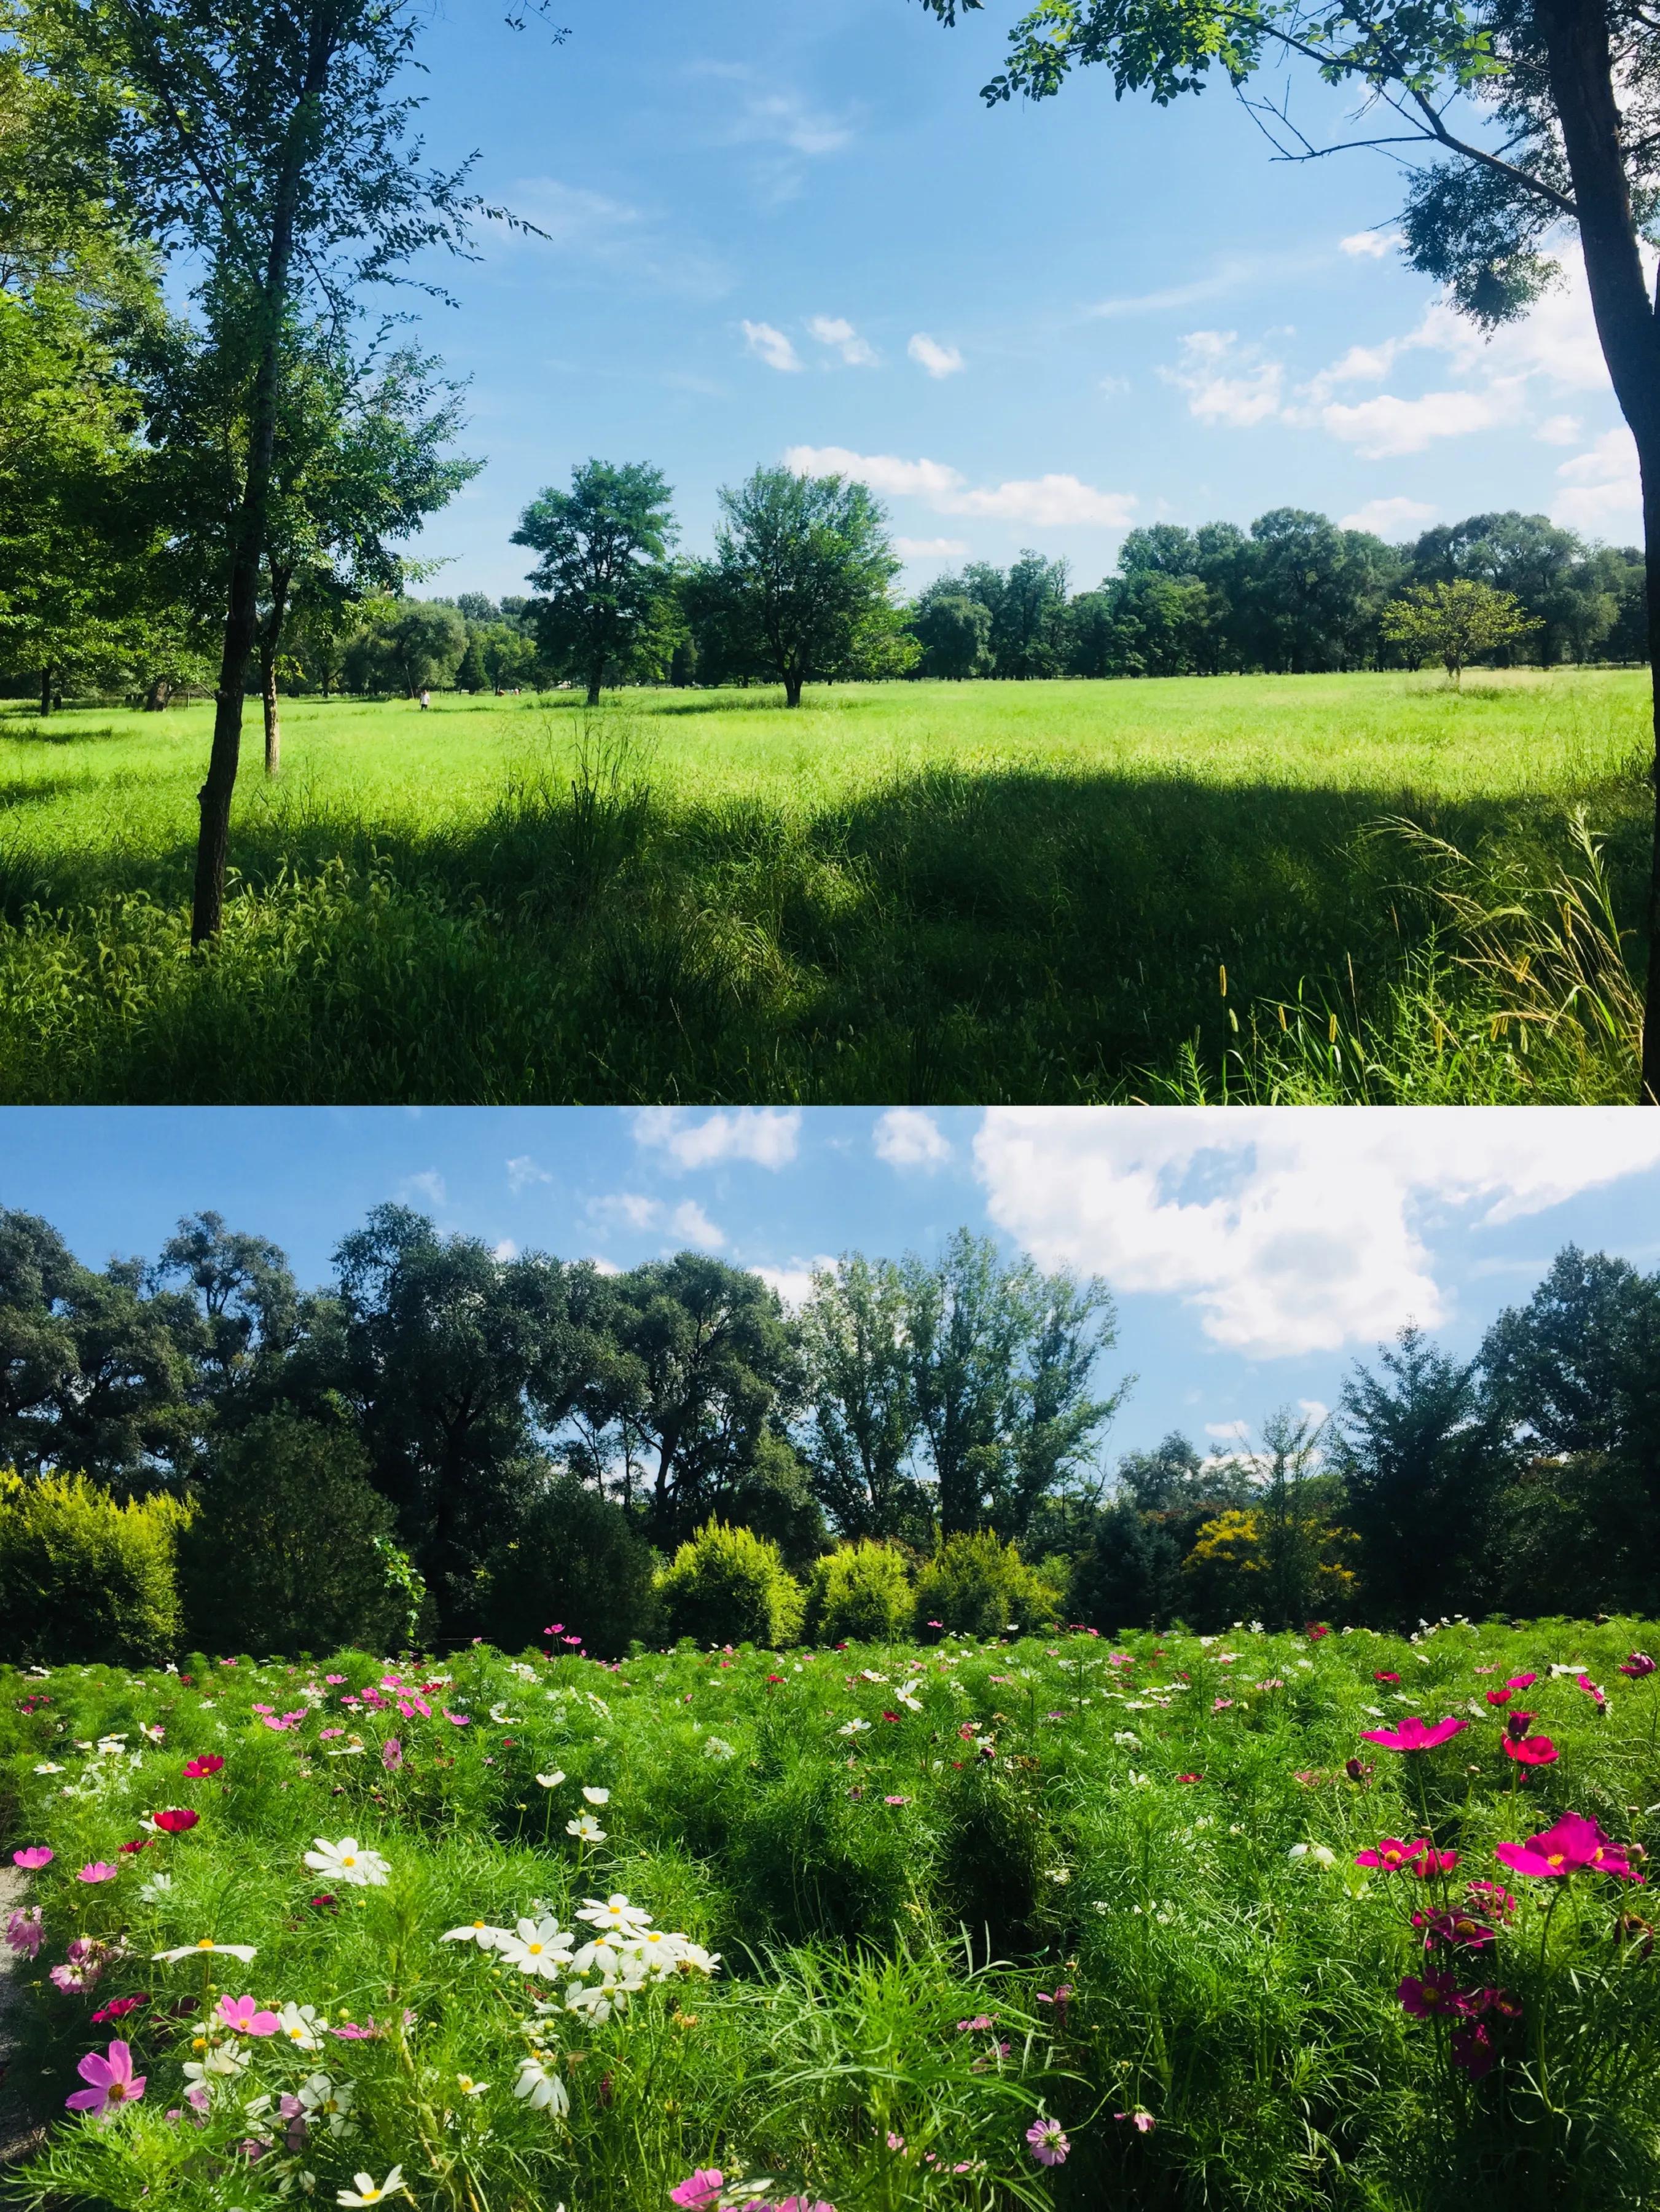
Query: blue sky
[
  {"x": 795, "y": 229},
  {"x": 1253, "y": 1255}
]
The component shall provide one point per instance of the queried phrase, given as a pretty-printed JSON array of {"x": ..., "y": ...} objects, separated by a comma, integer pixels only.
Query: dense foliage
[{"x": 994, "y": 1923}]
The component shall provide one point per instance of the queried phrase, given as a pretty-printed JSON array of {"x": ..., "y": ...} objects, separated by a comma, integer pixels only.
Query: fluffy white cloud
[
  {"x": 906, "y": 1137},
  {"x": 522, "y": 1171},
  {"x": 939, "y": 360},
  {"x": 1290, "y": 1232},
  {"x": 506, "y": 1249},
  {"x": 770, "y": 346},
  {"x": 1601, "y": 492},
  {"x": 836, "y": 331},
  {"x": 686, "y": 1224},
  {"x": 1559, "y": 430},
  {"x": 930, "y": 549},
  {"x": 1390, "y": 518},
  {"x": 429, "y": 1185},
  {"x": 1371, "y": 245},
  {"x": 1051, "y": 501},
  {"x": 1227, "y": 382},
  {"x": 1382, "y": 427},
  {"x": 793, "y": 1283},
  {"x": 768, "y": 1135}
]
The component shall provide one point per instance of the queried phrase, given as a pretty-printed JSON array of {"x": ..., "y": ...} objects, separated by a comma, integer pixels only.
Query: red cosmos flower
[
  {"x": 1434, "y": 1996},
  {"x": 1432, "y": 1861},
  {"x": 1386, "y": 1678},
  {"x": 1457, "y": 1930},
  {"x": 175, "y": 1822},
  {"x": 1190, "y": 1777},
  {"x": 1521, "y": 1681},
  {"x": 1356, "y": 1770},
  {"x": 138, "y": 1844},
  {"x": 1573, "y": 1845},
  {"x": 1516, "y": 1724},
  {"x": 208, "y": 1763},
  {"x": 1637, "y": 1665},
  {"x": 1415, "y": 1734},
  {"x": 1392, "y": 1854},
  {"x": 1529, "y": 1750},
  {"x": 1500, "y": 1697},
  {"x": 118, "y": 2007},
  {"x": 1316, "y": 1630}
]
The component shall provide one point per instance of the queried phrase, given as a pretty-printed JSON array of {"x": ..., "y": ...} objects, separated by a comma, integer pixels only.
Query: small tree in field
[
  {"x": 603, "y": 576},
  {"x": 1454, "y": 623}
]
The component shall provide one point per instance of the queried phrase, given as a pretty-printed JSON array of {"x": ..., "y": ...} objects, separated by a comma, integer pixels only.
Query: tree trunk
[
  {"x": 1582, "y": 87},
  {"x": 270, "y": 637},
  {"x": 242, "y": 605},
  {"x": 46, "y": 690},
  {"x": 792, "y": 684},
  {"x": 593, "y": 690},
  {"x": 158, "y": 695}
]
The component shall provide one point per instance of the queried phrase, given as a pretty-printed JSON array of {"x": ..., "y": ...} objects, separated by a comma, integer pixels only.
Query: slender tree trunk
[
  {"x": 46, "y": 690},
  {"x": 270, "y": 638},
  {"x": 1582, "y": 87},
  {"x": 594, "y": 675},
  {"x": 792, "y": 684},
  {"x": 242, "y": 608},
  {"x": 158, "y": 695}
]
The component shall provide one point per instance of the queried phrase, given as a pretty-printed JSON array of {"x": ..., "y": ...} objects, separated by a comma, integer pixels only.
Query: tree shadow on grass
[{"x": 951, "y": 936}]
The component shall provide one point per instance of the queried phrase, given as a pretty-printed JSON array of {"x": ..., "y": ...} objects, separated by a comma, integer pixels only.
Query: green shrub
[
  {"x": 575, "y": 1559},
  {"x": 282, "y": 1555},
  {"x": 730, "y": 1586},
  {"x": 981, "y": 1586},
  {"x": 860, "y": 1593},
  {"x": 83, "y": 1576}
]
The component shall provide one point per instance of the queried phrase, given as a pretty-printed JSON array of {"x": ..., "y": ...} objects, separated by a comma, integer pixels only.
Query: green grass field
[
  {"x": 927, "y": 891},
  {"x": 944, "y": 1898}
]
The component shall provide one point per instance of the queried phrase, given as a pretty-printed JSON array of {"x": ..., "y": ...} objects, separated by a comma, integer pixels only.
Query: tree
[
  {"x": 418, "y": 643},
  {"x": 863, "y": 1418},
  {"x": 954, "y": 632},
  {"x": 1513, "y": 124},
  {"x": 1454, "y": 623},
  {"x": 1557, "y": 1371},
  {"x": 801, "y": 574},
  {"x": 602, "y": 575},
  {"x": 265, "y": 142}
]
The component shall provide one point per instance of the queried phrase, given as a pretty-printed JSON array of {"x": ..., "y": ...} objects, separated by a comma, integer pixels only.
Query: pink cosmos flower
[
  {"x": 208, "y": 1763},
  {"x": 325, "y": 1735},
  {"x": 1220, "y": 1704},
  {"x": 1573, "y": 1845},
  {"x": 177, "y": 1821},
  {"x": 1488, "y": 1897},
  {"x": 896, "y": 1800},
  {"x": 1415, "y": 1734},
  {"x": 32, "y": 1857},
  {"x": 1457, "y": 1930},
  {"x": 1472, "y": 2049},
  {"x": 110, "y": 2081},
  {"x": 699, "y": 2189},
  {"x": 334, "y": 1678},
  {"x": 1143, "y": 2123},
  {"x": 1520, "y": 1682},
  {"x": 118, "y": 2007},
  {"x": 1500, "y": 1697},
  {"x": 1433, "y": 1995},
  {"x": 458, "y": 1720},
  {"x": 1392, "y": 1853},
  {"x": 982, "y": 2020},
  {"x": 391, "y": 1754},
  {"x": 25, "y": 1932},
  {"x": 1637, "y": 1665},
  {"x": 98, "y": 1870},
  {"x": 246, "y": 2017},
  {"x": 1592, "y": 1690},
  {"x": 1387, "y": 1678},
  {"x": 1049, "y": 2142},
  {"x": 1529, "y": 1750}
]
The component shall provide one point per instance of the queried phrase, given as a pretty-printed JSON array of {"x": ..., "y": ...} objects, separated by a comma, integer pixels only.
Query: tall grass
[{"x": 1047, "y": 891}]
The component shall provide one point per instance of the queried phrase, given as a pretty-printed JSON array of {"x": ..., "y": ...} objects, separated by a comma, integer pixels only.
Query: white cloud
[
  {"x": 930, "y": 549},
  {"x": 1313, "y": 1410},
  {"x": 906, "y": 1137},
  {"x": 429, "y": 1184},
  {"x": 1390, "y": 518},
  {"x": 1384, "y": 427},
  {"x": 768, "y": 1135},
  {"x": 506, "y": 1249},
  {"x": 1559, "y": 430},
  {"x": 1290, "y": 1232},
  {"x": 793, "y": 1283},
  {"x": 611, "y": 238},
  {"x": 686, "y": 1224},
  {"x": 1051, "y": 501},
  {"x": 939, "y": 360},
  {"x": 1601, "y": 492},
  {"x": 522, "y": 1171},
  {"x": 1226, "y": 382},
  {"x": 785, "y": 119},
  {"x": 770, "y": 346},
  {"x": 1233, "y": 1432},
  {"x": 834, "y": 330},
  {"x": 1372, "y": 245}
]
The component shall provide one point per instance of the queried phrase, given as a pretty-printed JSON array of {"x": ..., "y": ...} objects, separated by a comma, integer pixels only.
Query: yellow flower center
[{"x": 204, "y": 1943}]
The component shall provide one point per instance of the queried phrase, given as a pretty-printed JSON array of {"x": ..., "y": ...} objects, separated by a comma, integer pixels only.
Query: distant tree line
[{"x": 519, "y": 1428}]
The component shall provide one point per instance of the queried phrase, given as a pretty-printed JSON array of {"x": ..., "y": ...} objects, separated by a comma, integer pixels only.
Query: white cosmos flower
[
  {"x": 586, "y": 1829},
  {"x": 477, "y": 1931},
  {"x": 355, "y": 1749},
  {"x": 537, "y": 1947},
  {"x": 344, "y": 1862},
  {"x": 543, "y": 2091},
  {"x": 503, "y": 1717},
  {"x": 853, "y": 1728},
  {"x": 717, "y": 1747},
  {"x": 330, "y": 2100},
  {"x": 615, "y": 1911},
  {"x": 368, "y": 2192},
  {"x": 552, "y": 1781},
  {"x": 156, "y": 1888},
  {"x": 46, "y": 1766},
  {"x": 596, "y": 1796},
  {"x": 300, "y": 2026},
  {"x": 694, "y": 1959},
  {"x": 599, "y": 2002},
  {"x": 469, "y": 2087},
  {"x": 244, "y": 1951}
]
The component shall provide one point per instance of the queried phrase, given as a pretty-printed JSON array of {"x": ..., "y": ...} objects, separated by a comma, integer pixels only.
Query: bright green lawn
[{"x": 930, "y": 892}]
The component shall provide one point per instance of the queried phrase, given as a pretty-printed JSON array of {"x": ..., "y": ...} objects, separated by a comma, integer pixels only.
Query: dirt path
[{"x": 17, "y": 2137}]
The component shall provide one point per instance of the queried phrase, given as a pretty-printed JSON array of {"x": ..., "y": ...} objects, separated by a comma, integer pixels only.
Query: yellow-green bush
[
  {"x": 730, "y": 1586},
  {"x": 981, "y": 1586},
  {"x": 860, "y": 1593},
  {"x": 84, "y": 1576}
]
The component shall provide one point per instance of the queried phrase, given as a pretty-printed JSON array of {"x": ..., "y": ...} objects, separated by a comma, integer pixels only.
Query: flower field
[{"x": 1326, "y": 1920}]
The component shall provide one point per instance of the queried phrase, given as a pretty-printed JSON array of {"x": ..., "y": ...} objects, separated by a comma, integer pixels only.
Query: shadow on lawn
[{"x": 1015, "y": 934}]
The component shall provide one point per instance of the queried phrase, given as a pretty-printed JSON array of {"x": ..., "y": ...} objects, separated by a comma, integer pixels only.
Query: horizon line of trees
[{"x": 507, "y": 1420}]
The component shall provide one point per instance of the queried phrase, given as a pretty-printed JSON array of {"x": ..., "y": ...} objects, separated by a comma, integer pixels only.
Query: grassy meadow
[
  {"x": 981, "y": 1925},
  {"x": 1178, "y": 889}
]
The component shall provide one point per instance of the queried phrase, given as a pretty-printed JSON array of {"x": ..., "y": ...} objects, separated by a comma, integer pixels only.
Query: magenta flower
[
  {"x": 1457, "y": 1930},
  {"x": 458, "y": 1720},
  {"x": 118, "y": 2007},
  {"x": 32, "y": 1857},
  {"x": 1500, "y": 1697},
  {"x": 176, "y": 1822},
  {"x": 1520, "y": 1682},
  {"x": 1592, "y": 1690},
  {"x": 1434, "y": 1996},
  {"x": 246, "y": 2017},
  {"x": 1387, "y": 1678},
  {"x": 98, "y": 1870},
  {"x": 1472, "y": 2049},
  {"x": 1574, "y": 1845},
  {"x": 699, "y": 2189},
  {"x": 1490, "y": 1898},
  {"x": 110, "y": 2081},
  {"x": 1049, "y": 2142},
  {"x": 1415, "y": 1734},
  {"x": 391, "y": 1754},
  {"x": 1637, "y": 1665},
  {"x": 1392, "y": 1853},
  {"x": 208, "y": 1763},
  {"x": 1529, "y": 1750},
  {"x": 25, "y": 1932},
  {"x": 1143, "y": 2123}
]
